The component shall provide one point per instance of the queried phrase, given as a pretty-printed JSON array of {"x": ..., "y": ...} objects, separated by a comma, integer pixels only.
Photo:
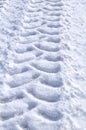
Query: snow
[{"x": 42, "y": 65}]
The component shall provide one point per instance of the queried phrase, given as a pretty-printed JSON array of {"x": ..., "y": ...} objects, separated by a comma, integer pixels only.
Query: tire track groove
[{"x": 34, "y": 65}]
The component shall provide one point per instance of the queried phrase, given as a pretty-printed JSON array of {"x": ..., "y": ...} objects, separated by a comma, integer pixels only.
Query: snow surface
[{"x": 42, "y": 64}]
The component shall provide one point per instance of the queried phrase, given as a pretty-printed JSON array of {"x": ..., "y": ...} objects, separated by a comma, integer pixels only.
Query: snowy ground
[{"x": 42, "y": 64}]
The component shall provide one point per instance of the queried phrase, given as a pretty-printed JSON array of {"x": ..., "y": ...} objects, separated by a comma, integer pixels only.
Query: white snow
[{"x": 42, "y": 64}]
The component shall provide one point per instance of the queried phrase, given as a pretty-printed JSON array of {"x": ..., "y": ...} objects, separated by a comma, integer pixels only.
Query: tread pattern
[
  {"x": 31, "y": 65},
  {"x": 33, "y": 69}
]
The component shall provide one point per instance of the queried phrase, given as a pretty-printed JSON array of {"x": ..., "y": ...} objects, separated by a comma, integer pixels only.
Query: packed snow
[{"x": 42, "y": 64}]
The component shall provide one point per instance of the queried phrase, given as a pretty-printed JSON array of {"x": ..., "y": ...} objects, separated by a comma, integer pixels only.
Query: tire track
[{"x": 33, "y": 66}]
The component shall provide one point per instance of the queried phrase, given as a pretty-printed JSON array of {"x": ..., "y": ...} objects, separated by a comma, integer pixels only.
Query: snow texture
[{"x": 42, "y": 64}]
